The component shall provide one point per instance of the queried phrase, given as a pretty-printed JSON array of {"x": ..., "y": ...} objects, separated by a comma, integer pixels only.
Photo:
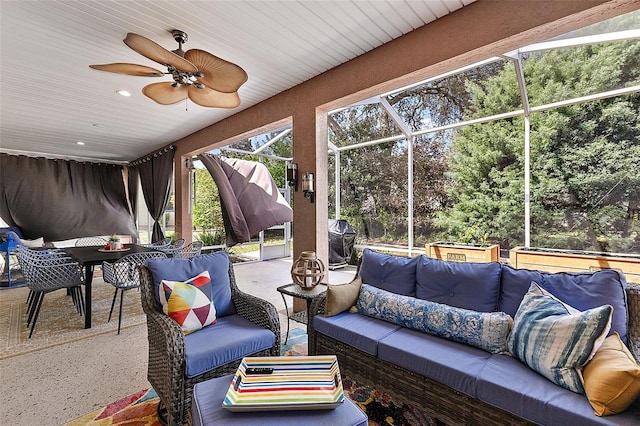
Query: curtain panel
[
  {"x": 62, "y": 199},
  {"x": 249, "y": 197},
  {"x": 155, "y": 177}
]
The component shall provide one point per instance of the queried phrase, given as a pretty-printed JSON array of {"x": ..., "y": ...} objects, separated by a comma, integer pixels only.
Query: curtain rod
[
  {"x": 62, "y": 157},
  {"x": 151, "y": 156}
]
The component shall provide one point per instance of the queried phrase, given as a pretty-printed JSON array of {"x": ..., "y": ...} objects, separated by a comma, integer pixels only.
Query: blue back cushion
[
  {"x": 396, "y": 274},
  {"x": 582, "y": 291},
  {"x": 468, "y": 285},
  {"x": 177, "y": 269}
]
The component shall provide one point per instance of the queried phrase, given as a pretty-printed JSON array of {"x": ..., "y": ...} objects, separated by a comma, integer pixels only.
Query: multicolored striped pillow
[{"x": 555, "y": 339}]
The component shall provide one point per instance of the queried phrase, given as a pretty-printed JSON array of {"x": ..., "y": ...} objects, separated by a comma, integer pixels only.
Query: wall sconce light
[
  {"x": 292, "y": 175},
  {"x": 307, "y": 186}
]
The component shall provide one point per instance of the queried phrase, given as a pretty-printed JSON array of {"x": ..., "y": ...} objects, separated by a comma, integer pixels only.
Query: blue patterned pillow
[
  {"x": 484, "y": 330},
  {"x": 555, "y": 339}
]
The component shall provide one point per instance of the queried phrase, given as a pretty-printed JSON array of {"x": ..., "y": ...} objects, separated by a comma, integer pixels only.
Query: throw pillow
[
  {"x": 612, "y": 378},
  {"x": 555, "y": 339},
  {"x": 484, "y": 330},
  {"x": 341, "y": 297},
  {"x": 388, "y": 272},
  {"x": 187, "y": 304}
]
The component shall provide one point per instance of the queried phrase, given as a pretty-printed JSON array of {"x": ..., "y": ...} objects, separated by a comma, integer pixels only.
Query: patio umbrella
[{"x": 250, "y": 199}]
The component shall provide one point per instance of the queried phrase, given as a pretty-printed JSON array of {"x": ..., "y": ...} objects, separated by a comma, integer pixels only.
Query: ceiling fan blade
[
  {"x": 207, "y": 97},
  {"x": 129, "y": 69},
  {"x": 165, "y": 93},
  {"x": 155, "y": 52},
  {"x": 217, "y": 73}
]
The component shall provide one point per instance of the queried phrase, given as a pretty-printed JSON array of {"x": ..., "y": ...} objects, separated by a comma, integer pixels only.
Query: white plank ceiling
[{"x": 50, "y": 99}]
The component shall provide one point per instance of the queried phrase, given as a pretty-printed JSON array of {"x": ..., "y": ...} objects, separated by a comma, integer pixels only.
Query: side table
[{"x": 308, "y": 295}]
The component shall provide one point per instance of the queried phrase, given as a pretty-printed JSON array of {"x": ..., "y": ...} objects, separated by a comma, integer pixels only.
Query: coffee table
[{"x": 207, "y": 410}]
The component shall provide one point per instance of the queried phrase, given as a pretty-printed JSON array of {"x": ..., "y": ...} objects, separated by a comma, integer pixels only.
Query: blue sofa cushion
[
  {"x": 178, "y": 269},
  {"x": 468, "y": 285},
  {"x": 556, "y": 340},
  {"x": 392, "y": 273},
  {"x": 484, "y": 330},
  {"x": 583, "y": 291},
  {"x": 357, "y": 330},
  {"x": 507, "y": 383},
  {"x": 454, "y": 364},
  {"x": 231, "y": 339}
]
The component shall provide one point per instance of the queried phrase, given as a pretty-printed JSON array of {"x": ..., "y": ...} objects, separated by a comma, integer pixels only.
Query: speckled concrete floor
[{"x": 58, "y": 384}]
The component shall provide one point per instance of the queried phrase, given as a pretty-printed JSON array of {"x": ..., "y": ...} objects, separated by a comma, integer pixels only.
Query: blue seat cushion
[
  {"x": 178, "y": 269},
  {"x": 396, "y": 274},
  {"x": 359, "y": 331},
  {"x": 582, "y": 291},
  {"x": 468, "y": 285},
  {"x": 507, "y": 383},
  {"x": 454, "y": 364},
  {"x": 230, "y": 339}
]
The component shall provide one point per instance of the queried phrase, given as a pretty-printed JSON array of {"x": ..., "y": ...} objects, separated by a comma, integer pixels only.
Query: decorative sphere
[{"x": 307, "y": 271}]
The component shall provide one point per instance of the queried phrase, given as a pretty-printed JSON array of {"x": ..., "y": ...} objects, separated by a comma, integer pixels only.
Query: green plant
[
  {"x": 212, "y": 237},
  {"x": 474, "y": 235}
]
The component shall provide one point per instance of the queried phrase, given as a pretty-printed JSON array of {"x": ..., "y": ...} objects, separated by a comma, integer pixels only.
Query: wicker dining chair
[
  {"x": 164, "y": 243},
  {"x": 91, "y": 241},
  {"x": 46, "y": 272},
  {"x": 174, "y": 248},
  {"x": 192, "y": 249},
  {"x": 123, "y": 275},
  {"x": 170, "y": 349}
]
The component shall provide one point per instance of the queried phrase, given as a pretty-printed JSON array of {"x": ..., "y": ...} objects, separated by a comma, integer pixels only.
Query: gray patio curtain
[
  {"x": 155, "y": 178},
  {"x": 61, "y": 199},
  {"x": 249, "y": 197}
]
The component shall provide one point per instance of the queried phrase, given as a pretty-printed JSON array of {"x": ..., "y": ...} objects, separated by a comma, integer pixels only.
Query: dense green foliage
[{"x": 585, "y": 181}]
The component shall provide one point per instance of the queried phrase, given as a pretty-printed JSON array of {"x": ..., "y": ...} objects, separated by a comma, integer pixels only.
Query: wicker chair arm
[
  {"x": 259, "y": 312},
  {"x": 317, "y": 308},
  {"x": 633, "y": 310}
]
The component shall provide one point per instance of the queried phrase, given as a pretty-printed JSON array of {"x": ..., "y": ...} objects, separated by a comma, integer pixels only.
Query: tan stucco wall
[{"x": 483, "y": 29}]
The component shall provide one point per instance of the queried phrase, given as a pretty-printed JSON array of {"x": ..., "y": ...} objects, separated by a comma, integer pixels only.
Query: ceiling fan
[{"x": 207, "y": 80}]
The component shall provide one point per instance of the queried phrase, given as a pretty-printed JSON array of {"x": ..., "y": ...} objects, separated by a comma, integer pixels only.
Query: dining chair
[
  {"x": 45, "y": 272},
  {"x": 91, "y": 241},
  {"x": 174, "y": 248},
  {"x": 123, "y": 275},
  {"x": 192, "y": 249},
  {"x": 164, "y": 243}
]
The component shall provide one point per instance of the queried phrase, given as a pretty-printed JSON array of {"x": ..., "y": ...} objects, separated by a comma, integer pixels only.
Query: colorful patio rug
[{"x": 382, "y": 409}]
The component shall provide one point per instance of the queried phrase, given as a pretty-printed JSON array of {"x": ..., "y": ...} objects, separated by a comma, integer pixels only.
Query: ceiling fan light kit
[{"x": 205, "y": 79}]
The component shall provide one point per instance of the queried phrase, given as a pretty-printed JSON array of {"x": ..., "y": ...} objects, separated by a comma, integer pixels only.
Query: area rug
[
  {"x": 381, "y": 408},
  {"x": 59, "y": 322}
]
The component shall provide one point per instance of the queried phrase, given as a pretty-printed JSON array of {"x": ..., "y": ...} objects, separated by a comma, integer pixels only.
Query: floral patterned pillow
[{"x": 484, "y": 330}]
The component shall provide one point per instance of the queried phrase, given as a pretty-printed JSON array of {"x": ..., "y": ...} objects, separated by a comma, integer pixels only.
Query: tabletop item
[
  {"x": 108, "y": 250},
  {"x": 287, "y": 383},
  {"x": 307, "y": 271}
]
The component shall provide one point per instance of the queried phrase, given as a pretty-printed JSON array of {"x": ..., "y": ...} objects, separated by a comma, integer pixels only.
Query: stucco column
[{"x": 183, "y": 218}]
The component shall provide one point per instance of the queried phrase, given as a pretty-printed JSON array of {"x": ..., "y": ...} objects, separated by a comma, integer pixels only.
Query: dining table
[{"x": 89, "y": 257}]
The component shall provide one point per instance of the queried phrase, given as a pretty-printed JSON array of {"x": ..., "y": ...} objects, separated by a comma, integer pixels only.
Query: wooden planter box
[
  {"x": 463, "y": 252},
  {"x": 553, "y": 260}
]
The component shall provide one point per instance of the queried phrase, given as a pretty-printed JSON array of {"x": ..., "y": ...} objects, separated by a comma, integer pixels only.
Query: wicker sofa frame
[
  {"x": 166, "y": 369},
  {"x": 438, "y": 400}
]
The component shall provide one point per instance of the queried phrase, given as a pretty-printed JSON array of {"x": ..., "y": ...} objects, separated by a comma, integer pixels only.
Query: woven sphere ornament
[{"x": 307, "y": 271}]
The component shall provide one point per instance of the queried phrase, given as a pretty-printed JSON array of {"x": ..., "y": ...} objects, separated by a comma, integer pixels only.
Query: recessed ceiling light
[
  {"x": 97, "y": 125},
  {"x": 80, "y": 143},
  {"x": 123, "y": 93}
]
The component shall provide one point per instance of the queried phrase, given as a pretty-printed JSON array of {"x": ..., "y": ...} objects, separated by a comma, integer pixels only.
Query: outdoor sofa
[{"x": 400, "y": 338}]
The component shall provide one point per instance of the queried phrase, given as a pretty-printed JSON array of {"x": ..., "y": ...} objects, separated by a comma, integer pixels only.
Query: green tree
[
  {"x": 585, "y": 182},
  {"x": 206, "y": 211}
]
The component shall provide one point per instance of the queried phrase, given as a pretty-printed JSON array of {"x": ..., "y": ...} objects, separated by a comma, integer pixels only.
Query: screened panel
[
  {"x": 585, "y": 192},
  {"x": 452, "y": 99},
  {"x": 361, "y": 123}
]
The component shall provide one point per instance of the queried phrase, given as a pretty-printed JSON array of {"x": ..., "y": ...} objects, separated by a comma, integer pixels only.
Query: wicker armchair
[
  {"x": 190, "y": 250},
  {"x": 167, "y": 364},
  {"x": 45, "y": 272},
  {"x": 123, "y": 276}
]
